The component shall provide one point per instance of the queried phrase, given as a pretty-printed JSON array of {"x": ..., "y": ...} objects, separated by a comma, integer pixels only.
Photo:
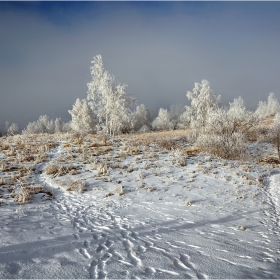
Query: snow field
[{"x": 141, "y": 214}]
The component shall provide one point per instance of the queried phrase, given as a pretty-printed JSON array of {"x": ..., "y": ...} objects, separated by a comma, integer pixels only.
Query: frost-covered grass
[{"x": 145, "y": 205}]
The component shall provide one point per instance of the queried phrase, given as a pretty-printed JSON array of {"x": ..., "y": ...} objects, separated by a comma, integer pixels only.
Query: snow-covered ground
[{"x": 142, "y": 214}]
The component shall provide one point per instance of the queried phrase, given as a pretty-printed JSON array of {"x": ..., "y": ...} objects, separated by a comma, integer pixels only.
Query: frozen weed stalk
[
  {"x": 76, "y": 186},
  {"x": 179, "y": 157},
  {"x": 189, "y": 202},
  {"x": 23, "y": 195},
  {"x": 102, "y": 168}
]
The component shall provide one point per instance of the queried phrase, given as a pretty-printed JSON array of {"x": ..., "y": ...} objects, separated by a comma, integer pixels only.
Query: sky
[{"x": 159, "y": 49}]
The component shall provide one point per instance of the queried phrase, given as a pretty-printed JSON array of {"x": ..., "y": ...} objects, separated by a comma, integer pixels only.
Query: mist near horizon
[{"x": 159, "y": 49}]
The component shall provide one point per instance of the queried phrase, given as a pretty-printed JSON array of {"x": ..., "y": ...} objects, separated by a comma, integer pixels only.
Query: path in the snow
[{"x": 272, "y": 195}]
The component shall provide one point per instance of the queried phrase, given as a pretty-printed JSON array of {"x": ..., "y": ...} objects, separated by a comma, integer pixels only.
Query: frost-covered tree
[
  {"x": 58, "y": 125},
  {"x": 275, "y": 133},
  {"x": 176, "y": 110},
  {"x": 273, "y": 106},
  {"x": 261, "y": 110},
  {"x": 239, "y": 118},
  {"x": 82, "y": 117},
  {"x": 66, "y": 127},
  {"x": 140, "y": 116},
  {"x": 269, "y": 108},
  {"x": 183, "y": 120},
  {"x": 45, "y": 124},
  {"x": 12, "y": 129},
  {"x": 109, "y": 101},
  {"x": 203, "y": 100},
  {"x": 42, "y": 125},
  {"x": 225, "y": 130},
  {"x": 162, "y": 121}
]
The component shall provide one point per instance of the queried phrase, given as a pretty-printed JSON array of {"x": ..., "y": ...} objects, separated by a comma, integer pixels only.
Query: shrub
[
  {"x": 225, "y": 146},
  {"x": 275, "y": 133},
  {"x": 226, "y": 130}
]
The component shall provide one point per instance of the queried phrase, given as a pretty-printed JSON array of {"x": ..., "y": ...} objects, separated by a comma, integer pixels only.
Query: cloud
[{"x": 159, "y": 49}]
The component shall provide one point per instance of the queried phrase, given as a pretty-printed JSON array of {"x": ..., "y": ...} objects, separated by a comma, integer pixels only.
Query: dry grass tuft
[
  {"x": 269, "y": 160},
  {"x": 4, "y": 166},
  {"x": 76, "y": 186},
  {"x": 27, "y": 191},
  {"x": 102, "y": 168}
]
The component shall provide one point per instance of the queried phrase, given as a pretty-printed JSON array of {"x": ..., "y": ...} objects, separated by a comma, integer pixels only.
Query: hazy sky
[{"x": 160, "y": 49}]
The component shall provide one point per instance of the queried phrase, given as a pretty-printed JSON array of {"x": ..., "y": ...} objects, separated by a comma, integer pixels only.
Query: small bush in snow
[
  {"x": 224, "y": 132},
  {"x": 275, "y": 133},
  {"x": 233, "y": 146}
]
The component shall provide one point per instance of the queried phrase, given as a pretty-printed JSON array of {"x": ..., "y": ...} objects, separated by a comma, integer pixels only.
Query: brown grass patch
[
  {"x": 148, "y": 138},
  {"x": 270, "y": 160},
  {"x": 192, "y": 150}
]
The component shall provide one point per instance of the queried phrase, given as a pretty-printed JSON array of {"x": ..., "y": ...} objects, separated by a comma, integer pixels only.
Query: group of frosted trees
[
  {"x": 225, "y": 130},
  {"x": 111, "y": 111},
  {"x": 108, "y": 109}
]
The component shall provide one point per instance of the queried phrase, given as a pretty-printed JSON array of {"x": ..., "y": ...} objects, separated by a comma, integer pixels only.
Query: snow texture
[{"x": 211, "y": 218}]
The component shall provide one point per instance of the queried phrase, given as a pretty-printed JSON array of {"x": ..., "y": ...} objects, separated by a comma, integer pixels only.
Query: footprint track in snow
[{"x": 85, "y": 253}]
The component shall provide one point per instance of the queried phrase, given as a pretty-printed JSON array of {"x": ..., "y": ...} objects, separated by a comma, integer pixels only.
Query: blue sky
[{"x": 160, "y": 49}]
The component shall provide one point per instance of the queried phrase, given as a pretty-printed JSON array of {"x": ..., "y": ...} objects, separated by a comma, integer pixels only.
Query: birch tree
[
  {"x": 109, "y": 101},
  {"x": 140, "y": 117},
  {"x": 162, "y": 121},
  {"x": 203, "y": 100}
]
